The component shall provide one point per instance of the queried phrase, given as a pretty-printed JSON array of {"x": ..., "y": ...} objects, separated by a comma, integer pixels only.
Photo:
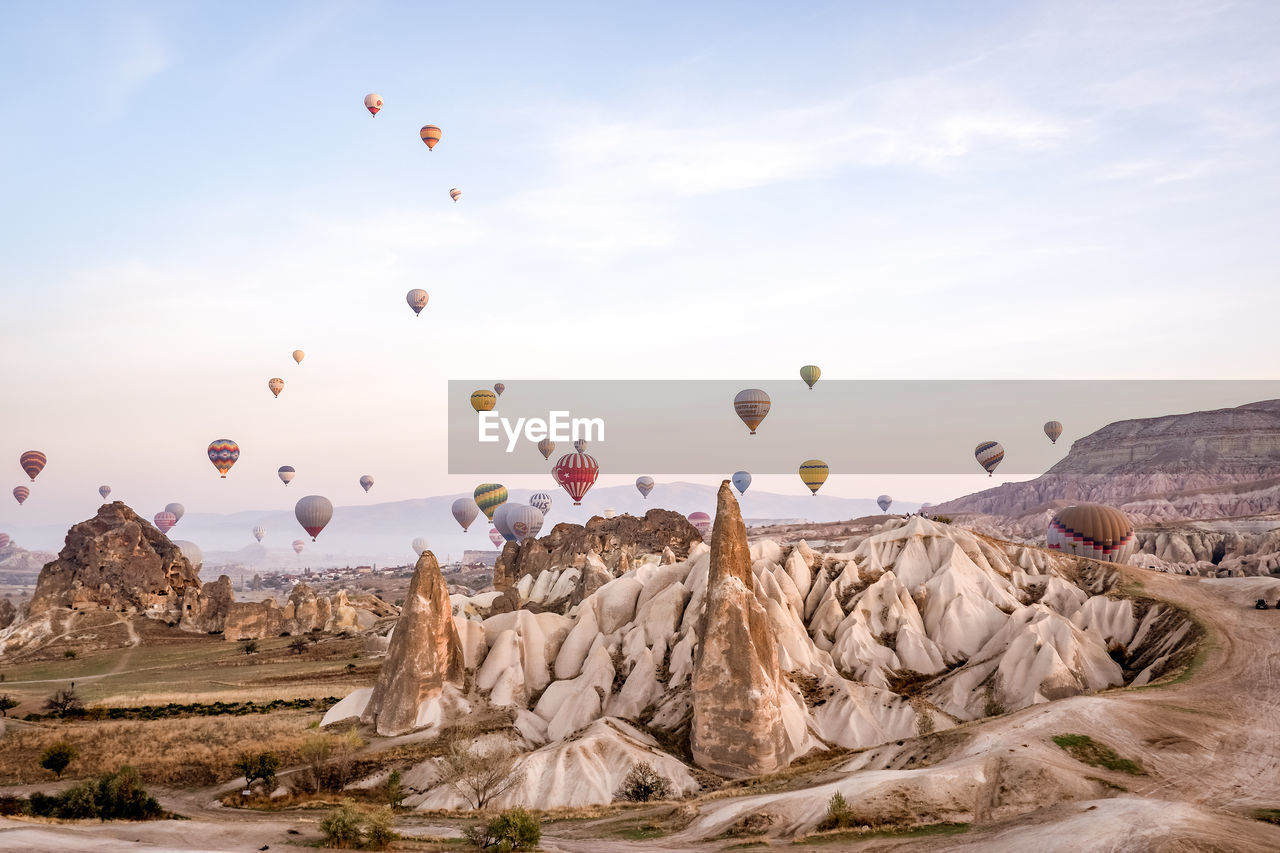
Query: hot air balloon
[
  {"x": 298, "y": 545},
  {"x": 502, "y": 520},
  {"x": 419, "y": 546},
  {"x": 542, "y": 501},
  {"x": 701, "y": 522},
  {"x": 431, "y": 135},
  {"x": 644, "y": 485},
  {"x": 525, "y": 522},
  {"x": 498, "y": 388},
  {"x": 741, "y": 481},
  {"x": 483, "y": 400},
  {"x": 165, "y": 521},
  {"x": 495, "y": 537},
  {"x": 456, "y": 194},
  {"x": 373, "y": 103},
  {"x": 546, "y": 447},
  {"x": 223, "y": 453},
  {"x": 286, "y": 474},
  {"x": 465, "y": 511},
  {"x": 20, "y": 494},
  {"x": 580, "y": 445},
  {"x": 884, "y": 502},
  {"x": 490, "y": 496},
  {"x": 752, "y": 405},
  {"x": 1053, "y": 429},
  {"x": 191, "y": 551},
  {"x": 259, "y": 532},
  {"x": 810, "y": 373},
  {"x": 366, "y": 482},
  {"x": 32, "y": 462},
  {"x": 177, "y": 509},
  {"x": 576, "y": 473},
  {"x": 4, "y": 540},
  {"x": 1094, "y": 531},
  {"x": 313, "y": 513},
  {"x": 276, "y": 384},
  {"x": 989, "y": 454},
  {"x": 104, "y": 491},
  {"x": 610, "y": 512},
  {"x": 299, "y": 355},
  {"x": 813, "y": 472},
  {"x": 417, "y": 299}
]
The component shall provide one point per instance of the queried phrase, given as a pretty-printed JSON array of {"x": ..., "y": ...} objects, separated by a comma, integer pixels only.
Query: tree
[
  {"x": 251, "y": 647},
  {"x": 344, "y": 756},
  {"x": 56, "y": 758},
  {"x": 63, "y": 702},
  {"x": 642, "y": 784},
  {"x": 514, "y": 829},
  {"x": 394, "y": 790},
  {"x": 7, "y": 703},
  {"x": 261, "y": 766},
  {"x": 315, "y": 752},
  {"x": 299, "y": 645},
  {"x": 479, "y": 776}
]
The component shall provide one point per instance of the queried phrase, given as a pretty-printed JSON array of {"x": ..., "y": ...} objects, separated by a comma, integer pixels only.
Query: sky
[{"x": 1063, "y": 190}]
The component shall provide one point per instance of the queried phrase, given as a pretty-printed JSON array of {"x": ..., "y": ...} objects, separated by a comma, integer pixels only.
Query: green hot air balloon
[
  {"x": 490, "y": 496},
  {"x": 810, "y": 373}
]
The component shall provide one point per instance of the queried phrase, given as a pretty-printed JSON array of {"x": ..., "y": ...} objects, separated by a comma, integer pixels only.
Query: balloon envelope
[
  {"x": 276, "y": 385},
  {"x": 177, "y": 509},
  {"x": 456, "y": 194},
  {"x": 483, "y": 400},
  {"x": 1092, "y": 530},
  {"x": 223, "y": 453},
  {"x": 644, "y": 485},
  {"x": 542, "y": 501},
  {"x": 430, "y": 134},
  {"x": 989, "y": 454},
  {"x": 580, "y": 445},
  {"x": 751, "y": 405},
  {"x": 702, "y": 522},
  {"x": 419, "y": 546},
  {"x": 498, "y": 388},
  {"x": 525, "y": 521},
  {"x": 741, "y": 481},
  {"x": 884, "y": 502},
  {"x": 191, "y": 551},
  {"x": 417, "y": 299},
  {"x": 259, "y": 532},
  {"x": 576, "y": 473},
  {"x": 502, "y": 520},
  {"x": 495, "y": 537},
  {"x": 490, "y": 496},
  {"x": 299, "y": 355},
  {"x": 546, "y": 447},
  {"x": 373, "y": 103},
  {"x": 1053, "y": 429},
  {"x": 4, "y": 540},
  {"x": 20, "y": 494},
  {"x": 810, "y": 373},
  {"x": 813, "y": 473},
  {"x": 465, "y": 511},
  {"x": 32, "y": 462},
  {"x": 286, "y": 474},
  {"x": 366, "y": 482},
  {"x": 165, "y": 521},
  {"x": 298, "y": 545},
  {"x": 313, "y": 513},
  {"x": 104, "y": 491}
]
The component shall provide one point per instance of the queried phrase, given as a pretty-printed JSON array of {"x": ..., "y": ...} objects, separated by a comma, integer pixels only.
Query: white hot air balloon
[
  {"x": 419, "y": 546},
  {"x": 259, "y": 532},
  {"x": 313, "y": 513},
  {"x": 465, "y": 511},
  {"x": 191, "y": 551}
]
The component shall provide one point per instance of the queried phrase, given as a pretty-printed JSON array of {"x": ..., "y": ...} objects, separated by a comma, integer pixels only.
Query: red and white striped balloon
[{"x": 576, "y": 473}]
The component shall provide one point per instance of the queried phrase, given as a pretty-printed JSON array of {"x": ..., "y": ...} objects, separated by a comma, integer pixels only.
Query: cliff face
[{"x": 1227, "y": 460}]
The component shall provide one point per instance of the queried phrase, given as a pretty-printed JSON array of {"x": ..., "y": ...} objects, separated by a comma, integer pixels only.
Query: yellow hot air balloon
[
  {"x": 484, "y": 400},
  {"x": 751, "y": 405},
  {"x": 430, "y": 134},
  {"x": 276, "y": 385},
  {"x": 455, "y": 194},
  {"x": 810, "y": 373},
  {"x": 813, "y": 472},
  {"x": 299, "y": 355}
]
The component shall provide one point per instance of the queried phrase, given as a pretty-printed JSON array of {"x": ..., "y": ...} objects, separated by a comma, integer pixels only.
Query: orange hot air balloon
[
  {"x": 430, "y": 134},
  {"x": 299, "y": 355},
  {"x": 276, "y": 385},
  {"x": 455, "y": 194},
  {"x": 32, "y": 463}
]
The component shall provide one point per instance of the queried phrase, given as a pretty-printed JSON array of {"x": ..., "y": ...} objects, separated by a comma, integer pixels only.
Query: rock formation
[
  {"x": 303, "y": 613},
  {"x": 423, "y": 655},
  {"x": 116, "y": 561},
  {"x": 8, "y": 613},
  {"x": 616, "y": 541},
  {"x": 737, "y": 726}
]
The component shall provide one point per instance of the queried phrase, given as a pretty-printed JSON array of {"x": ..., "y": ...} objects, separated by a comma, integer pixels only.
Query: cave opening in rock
[{"x": 1219, "y": 551}]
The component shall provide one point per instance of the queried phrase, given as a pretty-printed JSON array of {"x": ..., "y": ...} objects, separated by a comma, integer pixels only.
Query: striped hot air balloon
[
  {"x": 286, "y": 474},
  {"x": 1094, "y": 531},
  {"x": 223, "y": 453},
  {"x": 1053, "y": 429},
  {"x": 32, "y": 462},
  {"x": 419, "y": 546},
  {"x": 366, "y": 483},
  {"x": 751, "y": 405},
  {"x": 313, "y": 513},
  {"x": 884, "y": 502},
  {"x": 644, "y": 485},
  {"x": 813, "y": 473},
  {"x": 525, "y": 522},
  {"x": 259, "y": 532},
  {"x": 465, "y": 511},
  {"x": 4, "y": 540},
  {"x": 430, "y": 135},
  {"x": 104, "y": 491},
  {"x": 483, "y": 400},
  {"x": 576, "y": 473},
  {"x": 456, "y": 194},
  {"x": 580, "y": 445},
  {"x": 542, "y": 501},
  {"x": 810, "y": 374},
  {"x": 495, "y": 537},
  {"x": 741, "y": 481},
  {"x": 299, "y": 355},
  {"x": 276, "y": 385},
  {"x": 298, "y": 545},
  {"x": 20, "y": 494},
  {"x": 177, "y": 509},
  {"x": 610, "y": 512},
  {"x": 701, "y": 522},
  {"x": 373, "y": 103},
  {"x": 498, "y": 388},
  {"x": 165, "y": 521},
  {"x": 989, "y": 454},
  {"x": 417, "y": 299},
  {"x": 490, "y": 496},
  {"x": 546, "y": 447}
]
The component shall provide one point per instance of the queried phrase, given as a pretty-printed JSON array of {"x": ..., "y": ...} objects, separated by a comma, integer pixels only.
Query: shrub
[
  {"x": 69, "y": 654},
  {"x": 379, "y": 833},
  {"x": 839, "y": 815},
  {"x": 56, "y": 758},
  {"x": 643, "y": 784},
  {"x": 251, "y": 647},
  {"x": 113, "y": 796},
  {"x": 7, "y": 703},
  {"x": 298, "y": 645},
  {"x": 315, "y": 754},
  {"x": 394, "y": 791},
  {"x": 342, "y": 827},
  {"x": 512, "y": 830}
]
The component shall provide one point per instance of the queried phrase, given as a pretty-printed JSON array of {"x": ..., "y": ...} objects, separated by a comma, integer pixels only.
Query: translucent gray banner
[{"x": 690, "y": 427}]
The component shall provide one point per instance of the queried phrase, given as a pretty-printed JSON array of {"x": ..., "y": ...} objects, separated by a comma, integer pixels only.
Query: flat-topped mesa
[
  {"x": 738, "y": 727},
  {"x": 423, "y": 655}
]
